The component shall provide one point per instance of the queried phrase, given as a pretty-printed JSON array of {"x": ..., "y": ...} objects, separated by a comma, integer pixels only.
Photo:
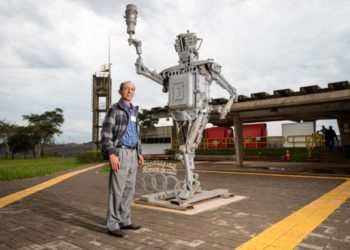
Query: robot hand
[
  {"x": 223, "y": 110},
  {"x": 137, "y": 44},
  {"x": 140, "y": 67}
]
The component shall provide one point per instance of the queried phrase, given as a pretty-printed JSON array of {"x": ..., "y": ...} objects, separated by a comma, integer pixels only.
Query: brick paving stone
[
  {"x": 334, "y": 232},
  {"x": 332, "y": 246},
  {"x": 14, "y": 240},
  {"x": 9, "y": 187},
  {"x": 309, "y": 246},
  {"x": 88, "y": 243},
  {"x": 61, "y": 244},
  {"x": 4, "y": 247},
  {"x": 316, "y": 239},
  {"x": 72, "y": 215}
]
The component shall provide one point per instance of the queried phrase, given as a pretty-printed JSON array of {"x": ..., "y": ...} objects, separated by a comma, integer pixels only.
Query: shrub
[
  {"x": 215, "y": 151},
  {"x": 298, "y": 154},
  {"x": 89, "y": 157}
]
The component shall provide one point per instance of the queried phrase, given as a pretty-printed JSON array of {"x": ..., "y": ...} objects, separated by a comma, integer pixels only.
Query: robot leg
[
  {"x": 185, "y": 189},
  {"x": 191, "y": 184}
]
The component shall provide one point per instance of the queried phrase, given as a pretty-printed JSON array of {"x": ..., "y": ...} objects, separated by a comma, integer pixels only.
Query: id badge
[{"x": 133, "y": 118}]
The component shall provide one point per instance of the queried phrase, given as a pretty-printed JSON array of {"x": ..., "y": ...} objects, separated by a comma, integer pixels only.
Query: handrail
[
  {"x": 248, "y": 142},
  {"x": 314, "y": 140},
  {"x": 311, "y": 141},
  {"x": 261, "y": 141},
  {"x": 295, "y": 139}
]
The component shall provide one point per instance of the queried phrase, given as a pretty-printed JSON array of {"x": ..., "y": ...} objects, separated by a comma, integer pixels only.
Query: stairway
[{"x": 324, "y": 155}]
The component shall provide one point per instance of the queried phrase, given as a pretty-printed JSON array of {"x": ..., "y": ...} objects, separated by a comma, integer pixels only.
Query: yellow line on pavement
[
  {"x": 289, "y": 232},
  {"x": 6, "y": 200},
  {"x": 276, "y": 175}
]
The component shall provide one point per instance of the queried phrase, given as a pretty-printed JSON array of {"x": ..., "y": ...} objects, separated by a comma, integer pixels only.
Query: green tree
[
  {"x": 21, "y": 140},
  {"x": 146, "y": 119},
  {"x": 44, "y": 127},
  {"x": 5, "y": 131}
]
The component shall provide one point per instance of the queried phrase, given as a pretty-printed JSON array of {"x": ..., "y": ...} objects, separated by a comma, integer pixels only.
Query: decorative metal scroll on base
[{"x": 156, "y": 181}]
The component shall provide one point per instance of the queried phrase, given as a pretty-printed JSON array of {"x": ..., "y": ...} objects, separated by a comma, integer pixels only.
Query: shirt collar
[{"x": 125, "y": 105}]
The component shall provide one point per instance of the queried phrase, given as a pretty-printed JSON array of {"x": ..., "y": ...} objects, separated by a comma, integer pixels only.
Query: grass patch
[
  {"x": 105, "y": 168},
  {"x": 28, "y": 168},
  {"x": 90, "y": 156}
]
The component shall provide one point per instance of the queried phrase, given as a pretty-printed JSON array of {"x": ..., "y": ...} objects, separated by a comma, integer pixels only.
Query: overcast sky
[{"x": 51, "y": 48}]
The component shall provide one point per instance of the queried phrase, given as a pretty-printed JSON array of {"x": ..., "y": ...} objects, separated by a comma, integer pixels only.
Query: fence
[{"x": 310, "y": 141}]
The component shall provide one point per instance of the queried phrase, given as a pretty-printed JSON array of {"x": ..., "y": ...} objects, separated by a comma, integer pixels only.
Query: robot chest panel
[{"x": 187, "y": 90}]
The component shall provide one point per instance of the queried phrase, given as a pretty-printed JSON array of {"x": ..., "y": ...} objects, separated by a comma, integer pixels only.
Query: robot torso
[{"x": 189, "y": 85}]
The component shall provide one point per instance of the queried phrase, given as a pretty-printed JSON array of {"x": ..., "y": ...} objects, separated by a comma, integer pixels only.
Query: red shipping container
[
  {"x": 254, "y": 135},
  {"x": 216, "y": 137}
]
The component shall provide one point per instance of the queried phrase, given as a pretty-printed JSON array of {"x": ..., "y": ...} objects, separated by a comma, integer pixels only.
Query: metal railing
[
  {"x": 308, "y": 141},
  {"x": 313, "y": 141},
  {"x": 263, "y": 142},
  {"x": 317, "y": 140}
]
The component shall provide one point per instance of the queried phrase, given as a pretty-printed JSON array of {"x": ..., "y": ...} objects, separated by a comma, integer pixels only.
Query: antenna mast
[{"x": 109, "y": 54}]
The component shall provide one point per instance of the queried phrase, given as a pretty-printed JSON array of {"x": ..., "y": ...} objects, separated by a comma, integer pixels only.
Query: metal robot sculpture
[{"x": 188, "y": 86}]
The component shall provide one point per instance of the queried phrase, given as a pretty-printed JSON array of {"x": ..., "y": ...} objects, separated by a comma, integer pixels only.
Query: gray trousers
[{"x": 121, "y": 190}]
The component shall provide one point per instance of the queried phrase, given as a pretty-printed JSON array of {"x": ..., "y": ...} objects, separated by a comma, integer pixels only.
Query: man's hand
[
  {"x": 114, "y": 162},
  {"x": 141, "y": 161}
]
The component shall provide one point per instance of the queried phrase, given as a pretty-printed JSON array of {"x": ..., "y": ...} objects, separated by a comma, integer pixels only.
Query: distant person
[
  {"x": 323, "y": 131},
  {"x": 121, "y": 145},
  {"x": 331, "y": 136}
]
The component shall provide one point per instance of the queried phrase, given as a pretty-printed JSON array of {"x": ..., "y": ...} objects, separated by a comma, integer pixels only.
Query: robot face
[{"x": 186, "y": 47}]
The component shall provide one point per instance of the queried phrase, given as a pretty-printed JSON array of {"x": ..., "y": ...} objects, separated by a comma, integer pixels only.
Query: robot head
[{"x": 186, "y": 47}]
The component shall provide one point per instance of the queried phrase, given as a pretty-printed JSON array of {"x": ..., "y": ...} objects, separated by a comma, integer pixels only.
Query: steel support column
[
  {"x": 344, "y": 130},
  {"x": 238, "y": 139}
]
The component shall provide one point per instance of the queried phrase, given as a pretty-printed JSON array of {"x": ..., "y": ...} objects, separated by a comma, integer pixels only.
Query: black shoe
[
  {"x": 117, "y": 233},
  {"x": 131, "y": 227}
]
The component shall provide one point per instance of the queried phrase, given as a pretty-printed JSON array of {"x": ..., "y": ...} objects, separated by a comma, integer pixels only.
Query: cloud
[
  {"x": 42, "y": 54},
  {"x": 106, "y": 8},
  {"x": 50, "y": 49}
]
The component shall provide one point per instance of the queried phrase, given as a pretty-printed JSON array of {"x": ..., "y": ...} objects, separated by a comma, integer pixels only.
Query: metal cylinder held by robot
[{"x": 131, "y": 18}]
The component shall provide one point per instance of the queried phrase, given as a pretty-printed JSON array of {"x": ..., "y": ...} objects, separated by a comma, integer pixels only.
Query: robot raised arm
[
  {"x": 141, "y": 69},
  {"x": 216, "y": 76}
]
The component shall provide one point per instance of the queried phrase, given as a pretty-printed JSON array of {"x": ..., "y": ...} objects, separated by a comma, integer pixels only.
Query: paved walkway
[{"x": 71, "y": 214}]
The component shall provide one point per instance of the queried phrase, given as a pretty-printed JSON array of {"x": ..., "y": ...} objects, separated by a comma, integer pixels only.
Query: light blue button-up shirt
[{"x": 130, "y": 137}]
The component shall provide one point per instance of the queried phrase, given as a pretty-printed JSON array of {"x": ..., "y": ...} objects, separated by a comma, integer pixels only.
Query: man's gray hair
[{"x": 122, "y": 85}]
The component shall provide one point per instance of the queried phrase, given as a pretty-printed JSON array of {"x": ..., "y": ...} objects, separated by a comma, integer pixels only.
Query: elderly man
[{"x": 121, "y": 145}]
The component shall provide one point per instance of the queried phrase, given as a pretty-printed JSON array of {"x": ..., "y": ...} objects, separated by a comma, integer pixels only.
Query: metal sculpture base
[{"x": 169, "y": 200}]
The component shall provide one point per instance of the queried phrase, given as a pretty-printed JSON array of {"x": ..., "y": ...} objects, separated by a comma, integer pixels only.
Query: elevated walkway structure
[{"x": 310, "y": 103}]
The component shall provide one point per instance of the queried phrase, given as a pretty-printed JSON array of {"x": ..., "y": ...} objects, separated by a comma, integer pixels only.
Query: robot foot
[
  {"x": 184, "y": 191},
  {"x": 184, "y": 194}
]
